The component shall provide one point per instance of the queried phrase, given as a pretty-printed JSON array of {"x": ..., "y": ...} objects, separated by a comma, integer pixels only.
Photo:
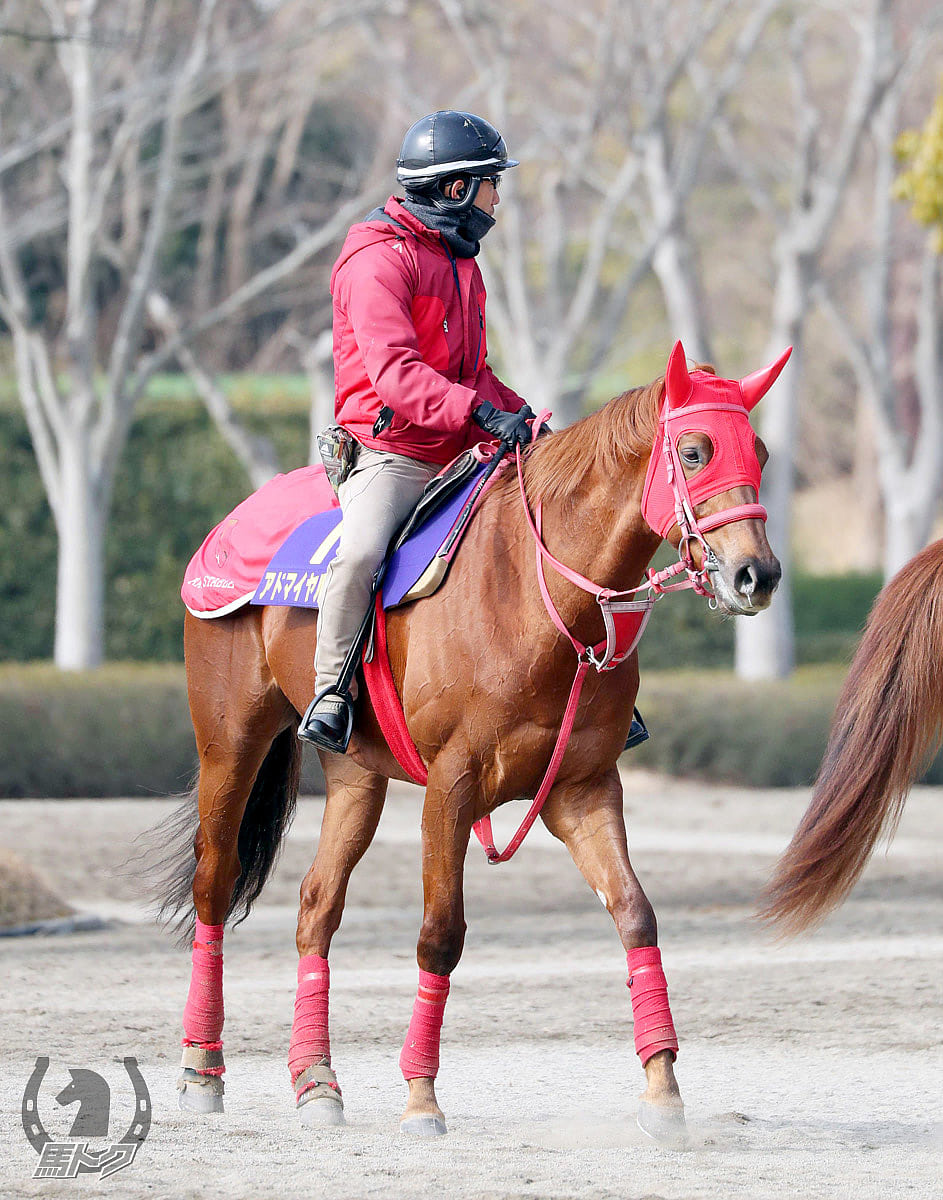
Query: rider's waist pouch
[{"x": 338, "y": 450}]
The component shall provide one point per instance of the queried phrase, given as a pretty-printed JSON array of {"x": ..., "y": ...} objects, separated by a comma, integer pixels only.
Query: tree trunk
[
  {"x": 906, "y": 527},
  {"x": 765, "y": 644},
  {"x": 679, "y": 279},
  {"x": 79, "y": 642},
  {"x": 911, "y": 494},
  {"x": 674, "y": 261}
]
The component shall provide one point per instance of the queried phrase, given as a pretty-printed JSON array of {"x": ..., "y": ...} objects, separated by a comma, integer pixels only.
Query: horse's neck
[{"x": 600, "y": 532}]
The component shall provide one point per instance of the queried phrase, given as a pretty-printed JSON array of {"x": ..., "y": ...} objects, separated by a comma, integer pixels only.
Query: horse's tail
[
  {"x": 888, "y": 721},
  {"x": 269, "y": 811}
]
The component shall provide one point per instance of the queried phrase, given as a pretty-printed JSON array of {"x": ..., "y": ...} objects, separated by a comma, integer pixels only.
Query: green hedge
[
  {"x": 125, "y": 730},
  {"x": 122, "y": 731},
  {"x": 710, "y": 725},
  {"x": 176, "y": 481}
]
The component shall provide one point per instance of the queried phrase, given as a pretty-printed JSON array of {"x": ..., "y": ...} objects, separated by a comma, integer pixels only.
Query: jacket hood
[{"x": 377, "y": 227}]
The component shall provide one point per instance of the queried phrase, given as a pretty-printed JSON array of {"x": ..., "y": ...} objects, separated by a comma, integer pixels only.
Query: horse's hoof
[
  {"x": 319, "y": 1100},
  {"x": 666, "y": 1126},
  {"x": 321, "y": 1111},
  {"x": 200, "y": 1095},
  {"x": 424, "y": 1127}
]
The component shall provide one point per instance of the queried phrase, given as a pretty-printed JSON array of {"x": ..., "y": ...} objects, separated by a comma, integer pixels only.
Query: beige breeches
[{"x": 376, "y": 498}]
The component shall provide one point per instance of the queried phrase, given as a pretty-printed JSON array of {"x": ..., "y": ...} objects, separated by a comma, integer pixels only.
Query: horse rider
[{"x": 413, "y": 388}]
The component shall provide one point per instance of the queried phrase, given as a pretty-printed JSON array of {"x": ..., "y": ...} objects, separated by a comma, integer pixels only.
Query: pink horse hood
[{"x": 699, "y": 402}]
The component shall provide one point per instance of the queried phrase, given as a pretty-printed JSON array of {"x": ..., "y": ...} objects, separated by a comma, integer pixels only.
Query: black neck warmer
[{"x": 462, "y": 231}]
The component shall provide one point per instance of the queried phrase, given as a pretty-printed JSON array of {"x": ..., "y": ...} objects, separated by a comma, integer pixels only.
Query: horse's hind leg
[
  {"x": 247, "y": 749},
  {"x": 355, "y": 799},
  {"x": 588, "y": 818}
]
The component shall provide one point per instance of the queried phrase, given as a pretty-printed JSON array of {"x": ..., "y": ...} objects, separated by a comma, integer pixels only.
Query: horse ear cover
[
  {"x": 689, "y": 397},
  {"x": 678, "y": 385},
  {"x": 754, "y": 387}
]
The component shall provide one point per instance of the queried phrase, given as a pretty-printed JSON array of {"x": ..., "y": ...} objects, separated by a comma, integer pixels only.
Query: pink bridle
[
  {"x": 625, "y": 614},
  {"x": 692, "y": 527}
]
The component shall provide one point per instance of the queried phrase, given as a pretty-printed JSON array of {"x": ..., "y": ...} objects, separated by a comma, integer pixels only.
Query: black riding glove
[{"x": 511, "y": 428}]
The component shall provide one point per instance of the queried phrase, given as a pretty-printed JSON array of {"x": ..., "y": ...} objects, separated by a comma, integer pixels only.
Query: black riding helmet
[{"x": 447, "y": 144}]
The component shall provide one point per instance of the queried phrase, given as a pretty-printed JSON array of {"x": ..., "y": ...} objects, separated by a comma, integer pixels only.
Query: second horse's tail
[{"x": 888, "y": 721}]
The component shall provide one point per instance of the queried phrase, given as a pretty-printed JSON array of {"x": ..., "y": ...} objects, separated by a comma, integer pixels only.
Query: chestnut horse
[
  {"x": 483, "y": 676},
  {"x": 887, "y": 723}
]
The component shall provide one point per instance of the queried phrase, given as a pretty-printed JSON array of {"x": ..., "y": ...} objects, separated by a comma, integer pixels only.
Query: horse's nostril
[
  {"x": 745, "y": 580},
  {"x": 755, "y": 576}
]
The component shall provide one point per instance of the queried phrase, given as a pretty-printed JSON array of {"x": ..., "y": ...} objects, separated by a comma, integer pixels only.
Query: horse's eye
[{"x": 691, "y": 455}]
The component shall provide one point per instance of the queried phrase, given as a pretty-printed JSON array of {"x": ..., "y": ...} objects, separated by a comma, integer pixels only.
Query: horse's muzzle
[{"x": 754, "y": 582}]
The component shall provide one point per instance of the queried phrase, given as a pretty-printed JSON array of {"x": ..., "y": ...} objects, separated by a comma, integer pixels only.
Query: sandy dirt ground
[{"x": 809, "y": 1069}]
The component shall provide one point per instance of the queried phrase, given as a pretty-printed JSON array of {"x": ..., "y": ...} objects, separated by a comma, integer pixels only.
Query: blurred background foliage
[{"x": 178, "y": 479}]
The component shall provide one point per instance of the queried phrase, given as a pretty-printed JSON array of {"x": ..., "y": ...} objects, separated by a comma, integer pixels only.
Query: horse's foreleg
[
  {"x": 588, "y": 818},
  {"x": 446, "y": 825},
  {"x": 355, "y": 799}
]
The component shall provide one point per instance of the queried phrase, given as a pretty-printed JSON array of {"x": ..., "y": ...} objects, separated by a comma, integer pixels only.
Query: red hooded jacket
[{"x": 409, "y": 334}]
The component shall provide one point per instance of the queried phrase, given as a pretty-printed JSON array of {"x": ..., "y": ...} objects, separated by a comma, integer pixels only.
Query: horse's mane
[{"x": 624, "y": 428}]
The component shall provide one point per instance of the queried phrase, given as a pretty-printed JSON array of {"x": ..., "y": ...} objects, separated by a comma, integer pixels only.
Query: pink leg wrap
[
  {"x": 420, "y": 1056},
  {"x": 203, "y": 1013},
  {"x": 310, "y": 1042},
  {"x": 654, "y": 1028}
]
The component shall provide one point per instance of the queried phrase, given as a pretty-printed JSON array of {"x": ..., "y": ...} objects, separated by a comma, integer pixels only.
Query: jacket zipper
[
  {"x": 481, "y": 330},
  {"x": 461, "y": 307}
]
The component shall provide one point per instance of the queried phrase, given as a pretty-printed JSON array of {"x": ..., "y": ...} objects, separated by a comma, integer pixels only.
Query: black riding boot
[
  {"x": 328, "y": 721},
  {"x": 638, "y": 731}
]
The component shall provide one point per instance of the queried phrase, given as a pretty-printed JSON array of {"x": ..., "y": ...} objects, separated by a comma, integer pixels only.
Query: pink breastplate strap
[
  {"x": 624, "y": 614},
  {"x": 624, "y": 621}
]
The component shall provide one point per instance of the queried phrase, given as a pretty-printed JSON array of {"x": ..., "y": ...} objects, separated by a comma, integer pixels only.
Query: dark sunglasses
[{"x": 494, "y": 180}]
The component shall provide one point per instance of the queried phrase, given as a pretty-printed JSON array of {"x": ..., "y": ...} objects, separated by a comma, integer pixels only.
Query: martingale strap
[
  {"x": 624, "y": 616},
  {"x": 624, "y": 620}
]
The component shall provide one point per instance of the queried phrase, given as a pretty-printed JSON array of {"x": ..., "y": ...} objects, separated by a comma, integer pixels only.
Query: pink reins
[{"x": 624, "y": 618}]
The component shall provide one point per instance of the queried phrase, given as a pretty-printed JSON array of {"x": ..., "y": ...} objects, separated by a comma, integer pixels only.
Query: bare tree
[
  {"x": 822, "y": 158},
  {"x": 78, "y": 424},
  {"x": 106, "y": 145},
  {"x": 611, "y": 152},
  {"x": 909, "y": 444}
]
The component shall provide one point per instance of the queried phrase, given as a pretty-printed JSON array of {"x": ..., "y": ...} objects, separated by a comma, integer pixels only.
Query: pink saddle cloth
[{"x": 225, "y": 571}]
